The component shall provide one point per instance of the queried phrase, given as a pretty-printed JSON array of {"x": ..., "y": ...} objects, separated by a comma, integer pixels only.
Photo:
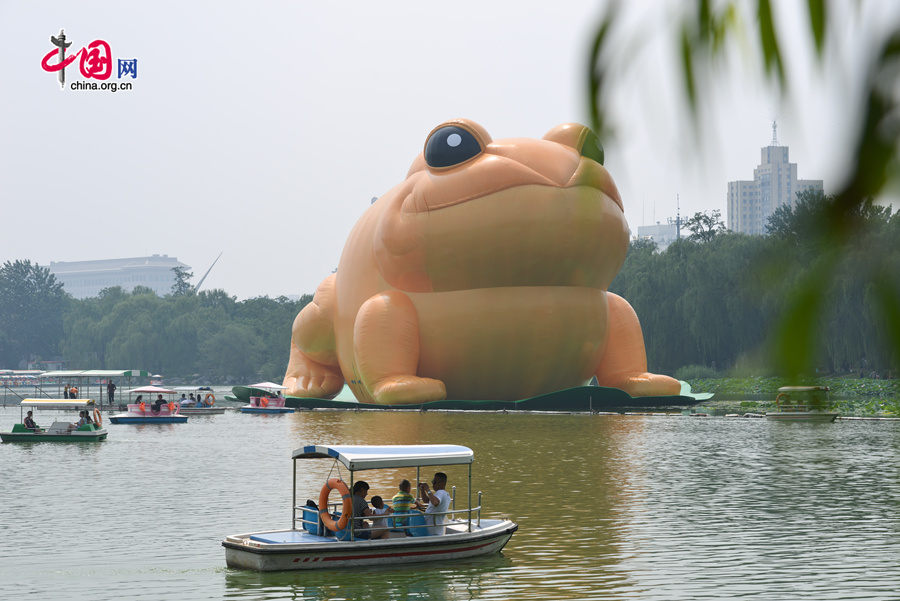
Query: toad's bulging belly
[{"x": 510, "y": 343}]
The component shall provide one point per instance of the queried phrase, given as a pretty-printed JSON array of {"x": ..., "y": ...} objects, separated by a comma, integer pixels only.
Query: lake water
[{"x": 608, "y": 507}]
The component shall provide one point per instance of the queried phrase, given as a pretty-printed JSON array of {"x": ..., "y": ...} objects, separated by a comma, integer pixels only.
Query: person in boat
[
  {"x": 111, "y": 392},
  {"x": 29, "y": 423},
  {"x": 159, "y": 402},
  {"x": 183, "y": 400},
  {"x": 192, "y": 399},
  {"x": 79, "y": 423},
  {"x": 402, "y": 502},
  {"x": 73, "y": 392},
  {"x": 380, "y": 524},
  {"x": 361, "y": 509},
  {"x": 438, "y": 503}
]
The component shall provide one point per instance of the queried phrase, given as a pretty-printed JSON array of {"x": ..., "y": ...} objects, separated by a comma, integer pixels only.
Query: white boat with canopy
[
  {"x": 803, "y": 404},
  {"x": 198, "y": 406},
  {"x": 326, "y": 538}
]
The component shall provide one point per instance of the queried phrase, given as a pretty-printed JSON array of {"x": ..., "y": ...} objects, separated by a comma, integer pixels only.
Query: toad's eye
[
  {"x": 591, "y": 147},
  {"x": 449, "y": 146}
]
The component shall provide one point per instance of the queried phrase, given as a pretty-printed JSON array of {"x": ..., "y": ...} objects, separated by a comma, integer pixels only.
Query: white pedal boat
[{"x": 309, "y": 545}]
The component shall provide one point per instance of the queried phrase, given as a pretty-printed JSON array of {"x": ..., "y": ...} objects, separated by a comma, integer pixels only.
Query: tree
[
  {"x": 32, "y": 303},
  {"x": 182, "y": 285},
  {"x": 705, "y": 226}
]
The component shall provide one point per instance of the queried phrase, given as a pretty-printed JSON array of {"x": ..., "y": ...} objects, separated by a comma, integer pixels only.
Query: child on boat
[
  {"x": 402, "y": 502},
  {"x": 380, "y": 525}
]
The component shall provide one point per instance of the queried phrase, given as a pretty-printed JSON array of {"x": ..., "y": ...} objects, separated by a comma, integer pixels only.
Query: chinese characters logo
[{"x": 96, "y": 62}]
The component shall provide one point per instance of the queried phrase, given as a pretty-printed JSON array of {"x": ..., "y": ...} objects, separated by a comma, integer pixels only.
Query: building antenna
[
  {"x": 774, "y": 133},
  {"x": 677, "y": 217},
  {"x": 200, "y": 283}
]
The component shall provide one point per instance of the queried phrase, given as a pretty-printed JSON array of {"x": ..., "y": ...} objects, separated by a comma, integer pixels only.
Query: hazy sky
[{"x": 263, "y": 129}]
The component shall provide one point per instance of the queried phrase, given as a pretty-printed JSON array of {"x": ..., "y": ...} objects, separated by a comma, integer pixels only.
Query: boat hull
[
  {"x": 136, "y": 419},
  {"x": 242, "y": 551},
  {"x": 195, "y": 411},
  {"x": 802, "y": 416},
  {"x": 266, "y": 410},
  {"x": 96, "y": 436}
]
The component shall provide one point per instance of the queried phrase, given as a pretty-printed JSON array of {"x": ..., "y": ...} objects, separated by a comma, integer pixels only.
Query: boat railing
[
  {"x": 473, "y": 513},
  {"x": 148, "y": 409},
  {"x": 797, "y": 407}
]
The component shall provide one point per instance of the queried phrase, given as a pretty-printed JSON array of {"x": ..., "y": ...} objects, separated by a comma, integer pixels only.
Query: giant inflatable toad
[{"x": 483, "y": 275}]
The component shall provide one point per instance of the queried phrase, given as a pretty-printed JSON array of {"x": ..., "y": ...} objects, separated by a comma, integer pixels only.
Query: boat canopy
[
  {"x": 363, "y": 457},
  {"x": 268, "y": 386},
  {"x": 151, "y": 390},
  {"x": 58, "y": 403},
  {"x": 803, "y": 389}
]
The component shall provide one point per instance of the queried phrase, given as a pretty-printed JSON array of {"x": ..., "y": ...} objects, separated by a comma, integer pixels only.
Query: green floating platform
[{"x": 579, "y": 399}]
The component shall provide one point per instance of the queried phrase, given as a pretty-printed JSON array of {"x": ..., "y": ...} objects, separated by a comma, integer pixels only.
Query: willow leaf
[
  {"x": 769, "y": 41},
  {"x": 817, "y": 18},
  {"x": 687, "y": 65}
]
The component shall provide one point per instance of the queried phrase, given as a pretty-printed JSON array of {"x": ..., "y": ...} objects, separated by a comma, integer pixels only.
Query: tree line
[
  {"x": 712, "y": 299},
  {"x": 210, "y": 335},
  {"x": 716, "y": 298}
]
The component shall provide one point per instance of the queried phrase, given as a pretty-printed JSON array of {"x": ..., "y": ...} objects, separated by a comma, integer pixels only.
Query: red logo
[{"x": 96, "y": 58}]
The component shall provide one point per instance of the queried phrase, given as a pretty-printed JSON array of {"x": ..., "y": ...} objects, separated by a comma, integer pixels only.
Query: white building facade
[
  {"x": 774, "y": 183},
  {"x": 663, "y": 234},
  {"x": 83, "y": 279}
]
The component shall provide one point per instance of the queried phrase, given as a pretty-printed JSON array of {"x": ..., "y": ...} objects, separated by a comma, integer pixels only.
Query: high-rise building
[
  {"x": 774, "y": 183},
  {"x": 83, "y": 279}
]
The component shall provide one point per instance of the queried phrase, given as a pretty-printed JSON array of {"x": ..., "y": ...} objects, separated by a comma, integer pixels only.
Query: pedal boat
[
  {"x": 206, "y": 406},
  {"x": 802, "y": 404},
  {"x": 309, "y": 545},
  {"x": 59, "y": 431},
  {"x": 136, "y": 415},
  {"x": 262, "y": 404},
  {"x": 194, "y": 410}
]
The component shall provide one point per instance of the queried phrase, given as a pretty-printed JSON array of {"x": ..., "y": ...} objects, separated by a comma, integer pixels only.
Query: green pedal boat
[{"x": 58, "y": 431}]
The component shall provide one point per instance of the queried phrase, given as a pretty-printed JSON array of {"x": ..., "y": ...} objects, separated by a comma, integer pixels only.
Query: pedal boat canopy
[
  {"x": 59, "y": 404},
  {"x": 364, "y": 457}
]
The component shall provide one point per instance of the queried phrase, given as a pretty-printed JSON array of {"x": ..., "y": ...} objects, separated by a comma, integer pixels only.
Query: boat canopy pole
[
  {"x": 470, "y": 497},
  {"x": 352, "y": 535},
  {"x": 294, "y": 498}
]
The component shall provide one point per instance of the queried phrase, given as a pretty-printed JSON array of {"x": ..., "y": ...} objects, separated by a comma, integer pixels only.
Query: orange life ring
[
  {"x": 264, "y": 402},
  {"x": 142, "y": 406},
  {"x": 211, "y": 398},
  {"x": 346, "y": 506},
  {"x": 171, "y": 407},
  {"x": 778, "y": 398},
  {"x": 98, "y": 419}
]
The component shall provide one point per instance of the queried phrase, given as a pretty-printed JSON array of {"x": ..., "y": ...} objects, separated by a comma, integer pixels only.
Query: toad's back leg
[{"x": 313, "y": 369}]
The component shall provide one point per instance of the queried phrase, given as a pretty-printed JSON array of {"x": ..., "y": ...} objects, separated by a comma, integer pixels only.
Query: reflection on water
[
  {"x": 466, "y": 579},
  {"x": 608, "y": 507}
]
